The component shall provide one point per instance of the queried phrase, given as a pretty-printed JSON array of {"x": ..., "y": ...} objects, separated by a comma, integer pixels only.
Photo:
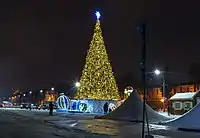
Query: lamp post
[
  {"x": 30, "y": 97},
  {"x": 158, "y": 72}
]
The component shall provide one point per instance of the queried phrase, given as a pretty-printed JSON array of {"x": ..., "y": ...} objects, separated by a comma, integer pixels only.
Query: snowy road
[
  {"x": 14, "y": 125},
  {"x": 37, "y": 124}
]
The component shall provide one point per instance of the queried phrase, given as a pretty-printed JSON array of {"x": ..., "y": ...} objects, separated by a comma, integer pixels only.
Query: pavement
[{"x": 22, "y": 123}]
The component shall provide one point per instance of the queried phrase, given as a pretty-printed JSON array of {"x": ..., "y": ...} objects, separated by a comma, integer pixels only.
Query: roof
[{"x": 183, "y": 96}]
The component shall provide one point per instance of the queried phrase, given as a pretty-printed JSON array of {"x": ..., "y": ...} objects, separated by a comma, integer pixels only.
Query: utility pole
[
  {"x": 163, "y": 85},
  {"x": 143, "y": 32},
  {"x": 144, "y": 72}
]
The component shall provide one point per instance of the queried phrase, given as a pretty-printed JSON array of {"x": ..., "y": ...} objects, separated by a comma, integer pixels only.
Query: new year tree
[{"x": 97, "y": 80}]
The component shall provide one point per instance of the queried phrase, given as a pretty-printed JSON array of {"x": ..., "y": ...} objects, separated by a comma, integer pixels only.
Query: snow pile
[
  {"x": 132, "y": 110},
  {"x": 187, "y": 120}
]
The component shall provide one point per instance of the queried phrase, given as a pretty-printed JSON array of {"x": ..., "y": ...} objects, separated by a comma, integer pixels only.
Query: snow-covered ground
[
  {"x": 169, "y": 115},
  {"x": 38, "y": 124}
]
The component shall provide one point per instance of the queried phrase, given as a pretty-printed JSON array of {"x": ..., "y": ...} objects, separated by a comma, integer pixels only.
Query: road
[
  {"x": 17, "y": 126},
  {"x": 37, "y": 124}
]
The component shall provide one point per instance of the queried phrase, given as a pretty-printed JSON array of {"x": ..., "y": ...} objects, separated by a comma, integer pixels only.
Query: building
[
  {"x": 180, "y": 103},
  {"x": 50, "y": 96},
  {"x": 154, "y": 95},
  {"x": 186, "y": 87},
  {"x": 154, "y": 98}
]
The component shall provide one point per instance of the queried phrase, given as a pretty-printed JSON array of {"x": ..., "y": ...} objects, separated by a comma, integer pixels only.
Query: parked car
[
  {"x": 24, "y": 106},
  {"x": 43, "y": 107}
]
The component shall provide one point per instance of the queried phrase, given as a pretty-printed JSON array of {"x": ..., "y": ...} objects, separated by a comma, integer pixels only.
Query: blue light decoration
[
  {"x": 82, "y": 106},
  {"x": 98, "y": 15},
  {"x": 74, "y": 105},
  {"x": 111, "y": 107},
  {"x": 63, "y": 103}
]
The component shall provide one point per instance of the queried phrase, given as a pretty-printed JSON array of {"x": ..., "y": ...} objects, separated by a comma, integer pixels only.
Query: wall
[{"x": 178, "y": 112}]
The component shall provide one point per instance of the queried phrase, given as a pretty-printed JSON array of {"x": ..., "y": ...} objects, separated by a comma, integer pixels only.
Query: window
[
  {"x": 187, "y": 105},
  {"x": 177, "y": 105}
]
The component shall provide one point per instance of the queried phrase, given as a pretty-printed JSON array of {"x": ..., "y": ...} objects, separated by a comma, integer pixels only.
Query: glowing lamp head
[
  {"x": 98, "y": 15},
  {"x": 77, "y": 84},
  {"x": 157, "y": 72}
]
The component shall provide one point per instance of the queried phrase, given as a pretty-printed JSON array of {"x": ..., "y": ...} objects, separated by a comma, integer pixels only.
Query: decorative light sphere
[
  {"x": 63, "y": 102},
  {"x": 98, "y": 15},
  {"x": 77, "y": 84},
  {"x": 157, "y": 72}
]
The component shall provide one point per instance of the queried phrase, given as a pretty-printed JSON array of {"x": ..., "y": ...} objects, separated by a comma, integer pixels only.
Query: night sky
[{"x": 44, "y": 42}]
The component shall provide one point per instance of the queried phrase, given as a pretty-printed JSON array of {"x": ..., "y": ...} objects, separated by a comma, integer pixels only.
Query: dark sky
[{"x": 43, "y": 42}]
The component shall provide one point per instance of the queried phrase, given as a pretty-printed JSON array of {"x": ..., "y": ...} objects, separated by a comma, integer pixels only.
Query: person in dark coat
[
  {"x": 51, "y": 109},
  {"x": 105, "y": 108}
]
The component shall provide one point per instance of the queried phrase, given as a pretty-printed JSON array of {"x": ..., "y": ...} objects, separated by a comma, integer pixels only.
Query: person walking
[
  {"x": 105, "y": 108},
  {"x": 51, "y": 109}
]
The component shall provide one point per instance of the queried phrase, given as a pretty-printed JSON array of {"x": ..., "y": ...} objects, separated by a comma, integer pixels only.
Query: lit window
[
  {"x": 177, "y": 105},
  {"x": 187, "y": 105}
]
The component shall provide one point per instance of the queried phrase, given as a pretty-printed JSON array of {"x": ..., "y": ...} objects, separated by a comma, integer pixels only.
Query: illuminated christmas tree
[{"x": 97, "y": 80}]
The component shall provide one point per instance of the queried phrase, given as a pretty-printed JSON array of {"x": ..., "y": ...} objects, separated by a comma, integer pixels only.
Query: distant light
[
  {"x": 98, "y": 15},
  {"x": 162, "y": 100},
  {"x": 41, "y": 91},
  {"x": 30, "y": 92},
  {"x": 52, "y": 89},
  {"x": 24, "y": 94},
  {"x": 77, "y": 84},
  {"x": 157, "y": 72}
]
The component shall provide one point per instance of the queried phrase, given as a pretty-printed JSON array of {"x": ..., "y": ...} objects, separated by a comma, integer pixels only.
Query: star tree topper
[{"x": 98, "y": 15}]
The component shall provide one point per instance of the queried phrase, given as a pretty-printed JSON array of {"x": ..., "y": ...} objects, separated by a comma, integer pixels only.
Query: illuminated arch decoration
[{"x": 63, "y": 103}]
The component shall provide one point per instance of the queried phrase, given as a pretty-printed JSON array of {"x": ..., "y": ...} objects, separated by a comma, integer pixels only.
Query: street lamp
[
  {"x": 30, "y": 92},
  {"x": 41, "y": 91},
  {"x": 52, "y": 89},
  {"x": 77, "y": 84},
  {"x": 158, "y": 72}
]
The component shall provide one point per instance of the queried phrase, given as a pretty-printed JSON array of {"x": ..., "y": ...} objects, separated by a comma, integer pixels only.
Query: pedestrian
[
  {"x": 51, "y": 109},
  {"x": 105, "y": 108}
]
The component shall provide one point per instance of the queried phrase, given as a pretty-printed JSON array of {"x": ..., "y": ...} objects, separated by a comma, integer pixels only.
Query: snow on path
[
  {"x": 169, "y": 116},
  {"x": 17, "y": 126},
  {"x": 85, "y": 125}
]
